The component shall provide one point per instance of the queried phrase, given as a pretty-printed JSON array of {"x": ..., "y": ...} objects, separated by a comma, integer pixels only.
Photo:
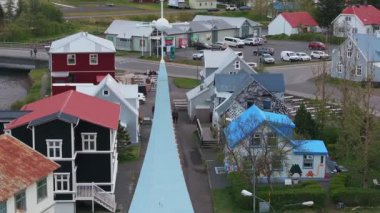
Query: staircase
[{"x": 97, "y": 194}]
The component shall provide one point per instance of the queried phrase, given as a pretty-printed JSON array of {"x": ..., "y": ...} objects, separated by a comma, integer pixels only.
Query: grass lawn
[
  {"x": 130, "y": 153},
  {"x": 186, "y": 83},
  {"x": 223, "y": 202}
]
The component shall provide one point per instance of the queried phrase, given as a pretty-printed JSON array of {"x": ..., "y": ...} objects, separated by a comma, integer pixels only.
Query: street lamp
[{"x": 249, "y": 194}]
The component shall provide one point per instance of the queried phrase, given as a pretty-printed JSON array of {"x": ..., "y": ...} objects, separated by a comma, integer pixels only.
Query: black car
[
  {"x": 263, "y": 50},
  {"x": 201, "y": 46}
]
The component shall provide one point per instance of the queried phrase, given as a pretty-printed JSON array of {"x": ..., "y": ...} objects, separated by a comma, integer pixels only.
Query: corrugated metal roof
[
  {"x": 251, "y": 119},
  {"x": 309, "y": 147},
  {"x": 75, "y": 104},
  {"x": 10, "y": 115},
  {"x": 161, "y": 187},
  {"x": 127, "y": 29},
  {"x": 82, "y": 42},
  {"x": 233, "y": 21},
  {"x": 300, "y": 18},
  {"x": 228, "y": 82},
  {"x": 369, "y": 46},
  {"x": 20, "y": 166}
]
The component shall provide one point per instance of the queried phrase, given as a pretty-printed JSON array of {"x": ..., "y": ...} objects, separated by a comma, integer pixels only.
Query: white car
[
  {"x": 198, "y": 55},
  {"x": 319, "y": 54},
  {"x": 141, "y": 97},
  {"x": 303, "y": 56},
  {"x": 252, "y": 41},
  {"x": 289, "y": 56}
]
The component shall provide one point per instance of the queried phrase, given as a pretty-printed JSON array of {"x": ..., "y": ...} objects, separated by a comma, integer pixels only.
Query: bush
[
  {"x": 308, "y": 37},
  {"x": 355, "y": 196},
  {"x": 240, "y": 181}
]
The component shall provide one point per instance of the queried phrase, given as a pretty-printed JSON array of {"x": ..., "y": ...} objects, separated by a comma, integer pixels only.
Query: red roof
[
  {"x": 297, "y": 19},
  {"x": 84, "y": 107},
  {"x": 20, "y": 166},
  {"x": 368, "y": 14}
]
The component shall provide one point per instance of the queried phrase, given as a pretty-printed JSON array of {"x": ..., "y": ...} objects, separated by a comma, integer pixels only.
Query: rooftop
[
  {"x": 297, "y": 19},
  {"x": 368, "y": 14}
]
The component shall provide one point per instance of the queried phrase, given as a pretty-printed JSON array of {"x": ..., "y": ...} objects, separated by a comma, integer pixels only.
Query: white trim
[
  {"x": 89, "y": 140},
  {"x": 74, "y": 58},
  {"x": 97, "y": 59},
  {"x": 60, "y": 74},
  {"x": 54, "y": 147},
  {"x": 93, "y": 152},
  {"x": 64, "y": 179},
  {"x": 33, "y": 138}
]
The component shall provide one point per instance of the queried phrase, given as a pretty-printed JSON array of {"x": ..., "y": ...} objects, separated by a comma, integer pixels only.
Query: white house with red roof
[
  {"x": 80, "y": 58},
  {"x": 293, "y": 23},
  {"x": 26, "y": 178},
  {"x": 363, "y": 19},
  {"x": 78, "y": 132}
]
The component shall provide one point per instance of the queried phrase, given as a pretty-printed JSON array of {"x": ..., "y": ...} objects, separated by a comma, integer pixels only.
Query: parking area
[{"x": 278, "y": 45}]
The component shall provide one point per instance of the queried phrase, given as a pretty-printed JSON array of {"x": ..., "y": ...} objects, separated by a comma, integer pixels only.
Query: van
[
  {"x": 234, "y": 42},
  {"x": 289, "y": 56},
  {"x": 240, "y": 54}
]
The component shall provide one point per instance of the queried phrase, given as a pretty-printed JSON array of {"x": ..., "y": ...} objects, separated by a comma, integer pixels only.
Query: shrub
[{"x": 240, "y": 181}]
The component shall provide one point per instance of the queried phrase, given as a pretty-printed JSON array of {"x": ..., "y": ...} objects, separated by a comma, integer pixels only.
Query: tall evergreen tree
[
  {"x": 2, "y": 15},
  {"x": 20, "y": 7},
  {"x": 328, "y": 10},
  {"x": 9, "y": 9},
  {"x": 305, "y": 124}
]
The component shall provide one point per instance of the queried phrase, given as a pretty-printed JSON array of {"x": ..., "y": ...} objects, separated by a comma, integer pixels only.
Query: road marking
[{"x": 63, "y": 5}]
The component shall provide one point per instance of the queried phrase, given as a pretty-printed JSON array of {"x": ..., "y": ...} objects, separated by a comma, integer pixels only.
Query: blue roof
[
  {"x": 309, "y": 147},
  {"x": 369, "y": 45},
  {"x": 273, "y": 82},
  {"x": 251, "y": 119},
  {"x": 161, "y": 187}
]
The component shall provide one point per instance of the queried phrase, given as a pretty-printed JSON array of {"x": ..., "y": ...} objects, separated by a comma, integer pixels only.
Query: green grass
[
  {"x": 186, "y": 83},
  {"x": 131, "y": 153},
  {"x": 35, "y": 90},
  {"x": 223, "y": 202}
]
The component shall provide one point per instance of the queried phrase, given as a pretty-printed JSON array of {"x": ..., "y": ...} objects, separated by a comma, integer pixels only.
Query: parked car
[
  {"x": 234, "y": 42},
  {"x": 289, "y": 56},
  {"x": 251, "y": 41},
  {"x": 213, "y": 9},
  {"x": 317, "y": 45},
  {"x": 266, "y": 59},
  {"x": 201, "y": 46},
  {"x": 198, "y": 55},
  {"x": 252, "y": 64},
  {"x": 219, "y": 46},
  {"x": 240, "y": 54},
  {"x": 230, "y": 7},
  {"x": 319, "y": 54},
  {"x": 242, "y": 8},
  {"x": 263, "y": 50},
  {"x": 303, "y": 56}
]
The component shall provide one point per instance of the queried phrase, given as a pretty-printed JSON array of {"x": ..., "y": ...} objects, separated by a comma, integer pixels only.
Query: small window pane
[
  {"x": 3, "y": 207},
  {"x": 41, "y": 190},
  {"x": 20, "y": 202}
]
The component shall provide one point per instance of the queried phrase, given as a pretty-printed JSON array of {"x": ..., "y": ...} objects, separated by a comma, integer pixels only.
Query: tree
[
  {"x": 305, "y": 124},
  {"x": 10, "y": 7},
  {"x": 327, "y": 11},
  {"x": 20, "y": 7},
  {"x": 2, "y": 15}
]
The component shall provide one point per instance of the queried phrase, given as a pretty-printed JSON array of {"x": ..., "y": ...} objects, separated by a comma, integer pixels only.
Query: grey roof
[
  {"x": 127, "y": 29},
  {"x": 274, "y": 82},
  {"x": 228, "y": 82},
  {"x": 10, "y": 114},
  {"x": 59, "y": 115},
  {"x": 369, "y": 45},
  {"x": 199, "y": 26},
  {"x": 233, "y": 21}
]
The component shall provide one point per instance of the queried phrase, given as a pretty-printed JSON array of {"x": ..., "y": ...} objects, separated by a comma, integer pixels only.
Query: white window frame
[
  {"x": 54, "y": 146},
  {"x": 23, "y": 196},
  {"x": 93, "y": 59},
  {"x": 358, "y": 67},
  {"x": 41, "y": 186},
  {"x": 349, "y": 53},
  {"x": 339, "y": 67},
  {"x": 309, "y": 161},
  {"x": 89, "y": 141},
  {"x": 347, "y": 18},
  {"x": 63, "y": 178},
  {"x": 256, "y": 136},
  {"x": 71, "y": 57},
  {"x": 237, "y": 65}
]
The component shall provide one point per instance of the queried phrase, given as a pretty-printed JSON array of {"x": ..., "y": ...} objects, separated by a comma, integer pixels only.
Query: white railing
[{"x": 90, "y": 191}]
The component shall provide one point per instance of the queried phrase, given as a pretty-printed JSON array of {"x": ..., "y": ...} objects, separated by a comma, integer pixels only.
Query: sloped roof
[
  {"x": 368, "y": 14},
  {"x": 297, "y": 19},
  {"x": 10, "y": 114},
  {"x": 70, "y": 106},
  {"x": 161, "y": 187},
  {"x": 228, "y": 82},
  {"x": 20, "y": 166},
  {"x": 127, "y": 29},
  {"x": 369, "y": 45},
  {"x": 233, "y": 21},
  {"x": 273, "y": 82},
  {"x": 251, "y": 119},
  {"x": 82, "y": 42},
  {"x": 309, "y": 147}
]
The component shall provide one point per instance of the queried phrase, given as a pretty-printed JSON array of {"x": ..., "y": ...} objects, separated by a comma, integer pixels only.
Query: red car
[{"x": 316, "y": 45}]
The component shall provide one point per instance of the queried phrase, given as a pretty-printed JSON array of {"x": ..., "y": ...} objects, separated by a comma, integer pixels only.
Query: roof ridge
[{"x": 62, "y": 109}]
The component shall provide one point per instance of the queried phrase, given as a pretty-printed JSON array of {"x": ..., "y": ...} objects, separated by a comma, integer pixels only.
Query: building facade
[{"x": 292, "y": 23}]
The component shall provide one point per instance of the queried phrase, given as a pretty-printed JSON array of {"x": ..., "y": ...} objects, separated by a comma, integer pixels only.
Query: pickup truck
[
  {"x": 230, "y": 7},
  {"x": 263, "y": 50}
]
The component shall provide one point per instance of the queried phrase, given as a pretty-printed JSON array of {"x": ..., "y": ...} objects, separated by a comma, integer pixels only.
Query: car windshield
[
  {"x": 267, "y": 56},
  {"x": 292, "y": 54}
]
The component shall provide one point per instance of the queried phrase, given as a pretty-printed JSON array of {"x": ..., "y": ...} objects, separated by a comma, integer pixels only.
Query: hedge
[{"x": 307, "y": 37}]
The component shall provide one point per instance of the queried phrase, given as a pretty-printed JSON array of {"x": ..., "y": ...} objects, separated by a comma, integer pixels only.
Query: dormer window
[
  {"x": 93, "y": 59},
  {"x": 237, "y": 65},
  {"x": 347, "y": 18},
  {"x": 71, "y": 59},
  {"x": 106, "y": 92}
]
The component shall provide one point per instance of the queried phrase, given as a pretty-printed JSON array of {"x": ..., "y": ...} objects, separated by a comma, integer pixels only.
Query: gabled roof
[
  {"x": 251, "y": 119},
  {"x": 368, "y": 14},
  {"x": 127, "y": 29},
  {"x": 229, "y": 83},
  {"x": 233, "y": 21},
  {"x": 273, "y": 82},
  {"x": 70, "y": 106},
  {"x": 369, "y": 46},
  {"x": 122, "y": 92},
  {"x": 20, "y": 166},
  {"x": 82, "y": 42},
  {"x": 297, "y": 19},
  {"x": 161, "y": 187},
  {"x": 10, "y": 115},
  {"x": 309, "y": 147}
]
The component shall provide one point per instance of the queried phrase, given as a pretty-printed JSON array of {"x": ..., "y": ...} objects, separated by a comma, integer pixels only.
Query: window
[
  {"x": 272, "y": 139},
  {"x": 339, "y": 67},
  {"x": 3, "y": 207},
  {"x": 237, "y": 65},
  {"x": 20, "y": 202},
  {"x": 62, "y": 181},
  {"x": 106, "y": 92},
  {"x": 349, "y": 44},
  {"x": 200, "y": 4},
  {"x": 256, "y": 140},
  {"x": 41, "y": 190},
  {"x": 349, "y": 53},
  {"x": 267, "y": 104},
  {"x": 347, "y": 18},
  {"x": 54, "y": 148},
  {"x": 357, "y": 54},
  {"x": 358, "y": 70},
  {"x": 89, "y": 141},
  {"x": 308, "y": 161},
  {"x": 354, "y": 30},
  {"x": 93, "y": 59},
  {"x": 71, "y": 59},
  {"x": 322, "y": 159}
]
